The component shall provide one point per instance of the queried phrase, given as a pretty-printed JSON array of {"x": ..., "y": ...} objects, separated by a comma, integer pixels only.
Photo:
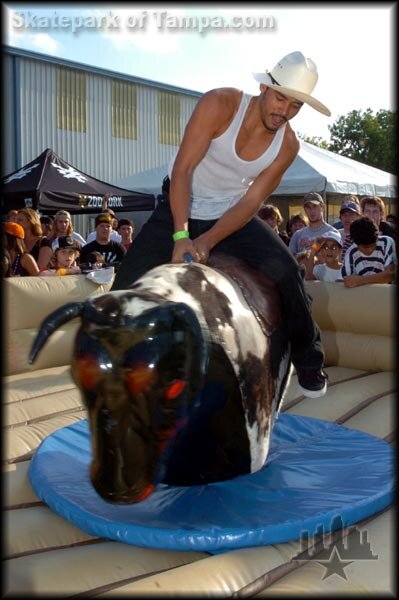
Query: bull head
[{"x": 139, "y": 376}]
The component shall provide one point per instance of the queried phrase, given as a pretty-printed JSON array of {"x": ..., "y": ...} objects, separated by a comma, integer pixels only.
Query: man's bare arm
[{"x": 209, "y": 117}]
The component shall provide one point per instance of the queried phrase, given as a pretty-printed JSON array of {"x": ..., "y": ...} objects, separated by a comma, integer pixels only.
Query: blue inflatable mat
[{"x": 316, "y": 471}]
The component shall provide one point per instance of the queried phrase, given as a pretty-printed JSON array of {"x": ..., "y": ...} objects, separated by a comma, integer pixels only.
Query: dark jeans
[{"x": 255, "y": 243}]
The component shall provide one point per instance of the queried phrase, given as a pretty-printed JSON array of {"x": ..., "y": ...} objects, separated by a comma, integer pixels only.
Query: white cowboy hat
[{"x": 294, "y": 76}]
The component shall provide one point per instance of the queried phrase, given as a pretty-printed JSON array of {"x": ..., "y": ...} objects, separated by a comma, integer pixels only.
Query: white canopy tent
[
  {"x": 313, "y": 170},
  {"x": 319, "y": 170},
  {"x": 151, "y": 179}
]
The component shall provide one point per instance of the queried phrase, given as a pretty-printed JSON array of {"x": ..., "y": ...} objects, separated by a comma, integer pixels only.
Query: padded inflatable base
[{"x": 316, "y": 471}]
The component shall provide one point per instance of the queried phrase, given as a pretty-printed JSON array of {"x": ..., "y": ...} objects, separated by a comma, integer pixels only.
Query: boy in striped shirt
[{"x": 371, "y": 258}]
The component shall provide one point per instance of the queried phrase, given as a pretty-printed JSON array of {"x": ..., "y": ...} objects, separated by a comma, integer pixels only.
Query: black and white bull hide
[{"x": 182, "y": 375}]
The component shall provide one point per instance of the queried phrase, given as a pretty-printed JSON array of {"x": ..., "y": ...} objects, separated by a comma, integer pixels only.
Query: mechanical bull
[{"x": 182, "y": 375}]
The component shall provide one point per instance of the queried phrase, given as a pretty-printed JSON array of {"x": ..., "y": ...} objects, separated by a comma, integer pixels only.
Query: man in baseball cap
[
  {"x": 103, "y": 218},
  {"x": 350, "y": 211},
  {"x": 349, "y": 206},
  {"x": 113, "y": 252},
  {"x": 313, "y": 198},
  {"x": 114, "y": 221},
  {"x": 301, "y": 241}
]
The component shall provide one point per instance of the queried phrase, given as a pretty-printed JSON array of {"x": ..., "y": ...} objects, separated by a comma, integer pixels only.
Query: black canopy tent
[{"x": 48, "y": 184}]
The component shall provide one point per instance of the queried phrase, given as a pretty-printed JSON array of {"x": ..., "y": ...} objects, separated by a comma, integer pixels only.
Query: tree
[
  {"x": 367, "y": 138},
  {"x": 315, "y": 140}
]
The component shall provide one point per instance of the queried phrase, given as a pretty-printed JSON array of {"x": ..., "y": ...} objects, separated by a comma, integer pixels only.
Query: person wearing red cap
[{"x": 20, "y": 262}]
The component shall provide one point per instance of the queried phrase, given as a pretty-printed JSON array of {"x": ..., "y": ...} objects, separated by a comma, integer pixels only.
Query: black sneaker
[{"x": 313, "y": 382}]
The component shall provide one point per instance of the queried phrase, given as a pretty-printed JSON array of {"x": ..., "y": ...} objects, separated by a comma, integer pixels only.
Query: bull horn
[{"x": 62, "y": 315}]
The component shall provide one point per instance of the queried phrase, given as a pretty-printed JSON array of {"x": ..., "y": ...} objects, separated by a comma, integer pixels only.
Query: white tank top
[{"x": 222, "y": 178}]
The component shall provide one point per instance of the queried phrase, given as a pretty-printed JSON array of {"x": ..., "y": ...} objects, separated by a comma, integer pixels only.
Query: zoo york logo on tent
[
  {"x": 96, "y": 201},
  {"x": 337, "y": 555}
]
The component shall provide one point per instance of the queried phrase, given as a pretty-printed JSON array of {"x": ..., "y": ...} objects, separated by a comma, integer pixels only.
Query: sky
[{"x": 202, "y": 46}]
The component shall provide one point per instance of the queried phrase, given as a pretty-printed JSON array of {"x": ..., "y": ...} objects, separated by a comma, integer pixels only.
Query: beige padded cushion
[
  {"x": 57, "y": 350},
  {"x": 45, "y": 554},
  {"x": 356, "y": 324},
  {"x": 365, "y": 309},
  {"x": 36, "y": 384},
  {"x": 34, "y": 297},
  {"x": 359, "y": 351},
  {"x": 27, "y": 301},
  {"x": 68, "y": 571}
]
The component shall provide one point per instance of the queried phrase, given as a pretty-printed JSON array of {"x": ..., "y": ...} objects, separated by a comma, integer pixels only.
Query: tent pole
[{"x": 324, "y": 195}]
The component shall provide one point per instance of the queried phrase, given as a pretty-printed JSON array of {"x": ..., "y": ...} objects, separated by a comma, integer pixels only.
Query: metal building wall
[
  {"x": 95, "y": 152},
  {"x": 9, "y": 124}
]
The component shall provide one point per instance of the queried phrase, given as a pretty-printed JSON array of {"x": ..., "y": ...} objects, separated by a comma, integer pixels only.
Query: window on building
[
  {"x": 124, "y": 110},
  {"x": 71, "y": 100},
  {"x": 168, "y": 118}
]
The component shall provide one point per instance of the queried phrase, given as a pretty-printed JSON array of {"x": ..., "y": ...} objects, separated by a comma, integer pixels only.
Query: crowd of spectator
[
  {"x": 360, "y": 250},
  {"x": 45, "y": 245}
]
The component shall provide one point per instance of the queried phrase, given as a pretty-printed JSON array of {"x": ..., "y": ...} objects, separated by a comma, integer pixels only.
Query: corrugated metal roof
[{"x": 97, "y": 70}]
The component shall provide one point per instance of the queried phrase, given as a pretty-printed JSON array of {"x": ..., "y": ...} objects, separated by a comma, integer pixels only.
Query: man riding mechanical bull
[{"x": 183, "y": 366}]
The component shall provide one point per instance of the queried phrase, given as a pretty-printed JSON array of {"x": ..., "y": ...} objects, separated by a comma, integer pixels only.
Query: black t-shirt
[
  {"x": 41, "y": 243},
  {"x": 113, "y": 252}
]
